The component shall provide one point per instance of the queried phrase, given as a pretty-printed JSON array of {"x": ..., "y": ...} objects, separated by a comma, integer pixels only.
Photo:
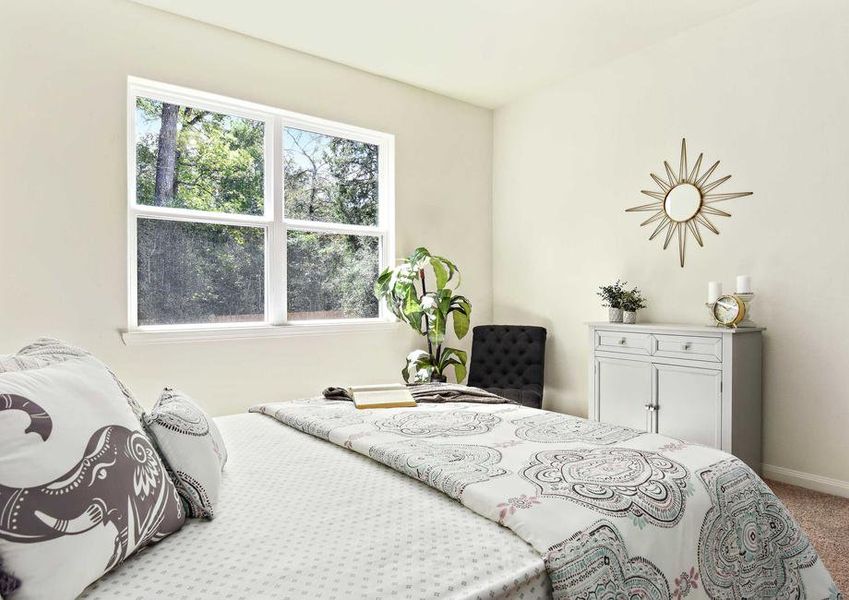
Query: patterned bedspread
[{"x": 615, "y": 513}]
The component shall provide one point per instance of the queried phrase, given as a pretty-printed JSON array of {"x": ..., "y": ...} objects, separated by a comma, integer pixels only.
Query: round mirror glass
[{"x": 682, "y": 202}]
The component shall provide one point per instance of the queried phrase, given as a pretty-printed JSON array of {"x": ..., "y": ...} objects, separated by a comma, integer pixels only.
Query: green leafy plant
[
  {"x": 612, "y": 294},
  {"x": 633, "y": 300},
  {"x": 404, "y": 289}
]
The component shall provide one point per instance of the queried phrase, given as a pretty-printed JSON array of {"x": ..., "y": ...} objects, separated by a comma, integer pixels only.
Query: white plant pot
[
  {"x": 614, "y": 315},
  {"x": 629, "y": 317}
]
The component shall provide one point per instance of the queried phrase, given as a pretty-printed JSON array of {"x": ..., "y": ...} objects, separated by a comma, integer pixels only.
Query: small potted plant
[
  {"x": 611, "y": 296},
  {"x": 632, "y": 301}
]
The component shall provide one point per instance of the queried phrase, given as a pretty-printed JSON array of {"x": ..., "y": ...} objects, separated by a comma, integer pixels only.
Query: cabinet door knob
[
  {"x": 651, "y": 406},
  {"x": 687, "y": 346},
  {"x": 622, "y": 342}
]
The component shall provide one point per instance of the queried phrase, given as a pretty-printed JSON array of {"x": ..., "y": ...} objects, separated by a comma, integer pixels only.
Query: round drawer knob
[
  {"x": 687, "y": 346},
  {"x": 622, "y": 342}
]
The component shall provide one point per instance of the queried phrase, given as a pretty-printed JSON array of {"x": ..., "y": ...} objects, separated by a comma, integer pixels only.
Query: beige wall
[
  {"x": 766, "y": 90},
  {"x": 63, "y": 74}
]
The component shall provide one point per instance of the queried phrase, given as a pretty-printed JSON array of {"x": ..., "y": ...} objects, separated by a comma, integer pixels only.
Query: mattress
[{"x": 302, "y": 518}]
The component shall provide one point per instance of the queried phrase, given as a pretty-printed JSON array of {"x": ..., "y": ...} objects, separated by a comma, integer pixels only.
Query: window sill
[{"x": 243, "y": 331}]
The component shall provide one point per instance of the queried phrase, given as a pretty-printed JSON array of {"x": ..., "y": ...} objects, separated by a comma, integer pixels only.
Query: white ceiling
[{"x": 486, "y": 52}]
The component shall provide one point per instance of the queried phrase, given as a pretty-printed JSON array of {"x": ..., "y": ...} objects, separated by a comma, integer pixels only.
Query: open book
[{"x": 389, "y": 395}]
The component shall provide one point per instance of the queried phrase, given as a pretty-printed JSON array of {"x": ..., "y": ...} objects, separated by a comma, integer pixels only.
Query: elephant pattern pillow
[
  {"x": 81, "y": 485},
  {"x": 193, "y": 448}
]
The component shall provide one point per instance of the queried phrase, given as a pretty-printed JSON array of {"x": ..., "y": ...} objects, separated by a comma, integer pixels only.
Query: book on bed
[{"x": 390, "y": 395}]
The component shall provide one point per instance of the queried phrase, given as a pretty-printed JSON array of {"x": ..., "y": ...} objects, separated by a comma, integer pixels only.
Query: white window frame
[{"x": 273, "y": 220}]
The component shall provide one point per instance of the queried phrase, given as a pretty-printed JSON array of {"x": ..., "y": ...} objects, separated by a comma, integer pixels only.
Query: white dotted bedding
[{"x": 302, "y": 518}]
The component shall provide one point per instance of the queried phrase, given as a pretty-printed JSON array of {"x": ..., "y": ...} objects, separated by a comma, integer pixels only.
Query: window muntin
[{"x": 219, "y": 254}]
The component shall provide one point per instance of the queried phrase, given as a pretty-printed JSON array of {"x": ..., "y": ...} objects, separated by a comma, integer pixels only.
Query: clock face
[{"x": 727, "y": 310}]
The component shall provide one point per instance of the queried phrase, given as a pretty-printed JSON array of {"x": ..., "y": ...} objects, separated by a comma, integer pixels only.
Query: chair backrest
[{"x": 509, "y": 360}]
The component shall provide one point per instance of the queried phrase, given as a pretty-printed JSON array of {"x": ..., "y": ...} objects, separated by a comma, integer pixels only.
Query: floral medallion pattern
[
  {"x": 446, "y": 467},
  {"x": 615, "y": 481},
  {"x": 181, "y": 417},
  {"x": 750, "y": 546},
  {"x": 594, "y": 564},
  {"x": 557, "y": 428},
  {"x": 614, "y": 516},
  {"x": 433, "y": 424}
]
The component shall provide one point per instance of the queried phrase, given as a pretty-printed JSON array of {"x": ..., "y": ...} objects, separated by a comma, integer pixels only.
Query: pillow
[
  {"x": 81, "y": 485},
  {"x": 191, "y": 444}
]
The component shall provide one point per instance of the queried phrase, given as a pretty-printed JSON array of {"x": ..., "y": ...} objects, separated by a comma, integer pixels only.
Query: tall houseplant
[{"x": 404, "y": 289}]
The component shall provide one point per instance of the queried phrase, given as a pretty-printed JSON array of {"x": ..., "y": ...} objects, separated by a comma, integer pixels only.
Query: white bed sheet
[{"x": 302, "y": 518}]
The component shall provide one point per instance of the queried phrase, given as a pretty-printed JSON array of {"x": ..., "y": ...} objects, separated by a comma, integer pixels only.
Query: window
[{"x": 245, "y": 216}]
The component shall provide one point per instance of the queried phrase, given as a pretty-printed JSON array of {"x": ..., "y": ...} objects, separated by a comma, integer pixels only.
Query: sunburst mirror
[{"x": 684, "y": 202}]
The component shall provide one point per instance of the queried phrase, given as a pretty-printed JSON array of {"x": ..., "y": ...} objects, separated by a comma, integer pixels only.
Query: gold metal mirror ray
[{"x": 684, "y": 202}]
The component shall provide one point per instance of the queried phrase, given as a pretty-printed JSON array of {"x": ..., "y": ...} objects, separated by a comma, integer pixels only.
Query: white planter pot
[
  {"x": 614, "y": 315},
  {"x": 629, "y": 317}
]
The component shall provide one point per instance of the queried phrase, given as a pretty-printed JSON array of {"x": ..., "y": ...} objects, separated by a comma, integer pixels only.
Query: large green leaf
[
  {"x": 452, "y": 268},
  {"x": 456, "y": 358},
  {"x": 419, "y": 366},
  {"x": 435, "y": 316},
  {"x": 381, "y": 286},
  {"x": 461, "y": 311},
  {"x": 419, "y": 259},
  {"x": 461, "y": 323},
  {"x": 440, "y": 271},
  {"x": 459, "y": 372}
]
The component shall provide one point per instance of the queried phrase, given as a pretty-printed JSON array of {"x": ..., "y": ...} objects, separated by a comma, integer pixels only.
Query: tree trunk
[{"x": 166, "y": 156}]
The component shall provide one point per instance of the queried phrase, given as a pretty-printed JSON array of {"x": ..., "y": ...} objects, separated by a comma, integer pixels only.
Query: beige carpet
[{"x": 826, "y": 521}]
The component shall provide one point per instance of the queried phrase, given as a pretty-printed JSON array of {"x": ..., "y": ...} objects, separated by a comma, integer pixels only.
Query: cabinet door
[
  {"x": 689, "y": 404},
  {"x": 622, "y": 391}
]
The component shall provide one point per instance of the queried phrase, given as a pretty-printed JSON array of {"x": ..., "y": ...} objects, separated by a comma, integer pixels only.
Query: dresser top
[{"x": 670, "y": 327}]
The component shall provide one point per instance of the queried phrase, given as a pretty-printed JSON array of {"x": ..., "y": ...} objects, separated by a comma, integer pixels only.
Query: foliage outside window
[{"x": 247, "y": 214}]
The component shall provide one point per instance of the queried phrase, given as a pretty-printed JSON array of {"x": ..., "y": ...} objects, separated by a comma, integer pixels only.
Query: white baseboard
[{"x": 810, "y": 481}]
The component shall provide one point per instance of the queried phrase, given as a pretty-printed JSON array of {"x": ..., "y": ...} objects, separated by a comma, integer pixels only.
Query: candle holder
[
  {"x": 747, "y": 299},
  {"x": 712, "y": 322}
]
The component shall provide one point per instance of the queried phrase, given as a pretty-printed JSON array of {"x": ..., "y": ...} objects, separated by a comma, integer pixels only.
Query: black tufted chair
[{"x": 509, "y": 360}]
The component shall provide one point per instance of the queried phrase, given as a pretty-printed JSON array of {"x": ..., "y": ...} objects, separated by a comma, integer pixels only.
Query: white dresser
[{"x": 695, "y": 383}]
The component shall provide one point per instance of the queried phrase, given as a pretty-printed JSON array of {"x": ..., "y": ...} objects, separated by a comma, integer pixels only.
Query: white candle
[
  {"x": 714, "y": 290},
  {"x": 744, "y": 284}
]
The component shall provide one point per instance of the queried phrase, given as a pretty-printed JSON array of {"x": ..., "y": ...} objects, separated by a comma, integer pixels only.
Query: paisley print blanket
[{"x": 615, "y": 512}]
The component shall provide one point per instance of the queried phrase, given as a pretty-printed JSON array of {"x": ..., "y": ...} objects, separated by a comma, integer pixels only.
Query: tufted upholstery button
[{"x": 509, "y": 360}]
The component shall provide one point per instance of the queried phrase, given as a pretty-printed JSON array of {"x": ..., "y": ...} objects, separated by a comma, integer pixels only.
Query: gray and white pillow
[
  {"x": 191, "y": 444},
  {"x": 81, "y": 485}
]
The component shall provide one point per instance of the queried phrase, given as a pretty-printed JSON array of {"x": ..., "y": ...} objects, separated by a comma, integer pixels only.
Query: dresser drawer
[
  {"x": 689, "y": 347},
  {"x": 627, "y": 342}
]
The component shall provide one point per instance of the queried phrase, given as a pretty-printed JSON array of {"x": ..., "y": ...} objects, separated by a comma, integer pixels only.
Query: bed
[
  {"x": 614, "y": 512},
  {"x": 518, "y": 503},
  {"x": 301, "y": 518}
]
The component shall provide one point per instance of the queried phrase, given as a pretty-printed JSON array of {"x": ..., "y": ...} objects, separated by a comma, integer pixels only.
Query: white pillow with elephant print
[
  {"x": 81, "y": 485},
  {"x": 193, "y": 448}
]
